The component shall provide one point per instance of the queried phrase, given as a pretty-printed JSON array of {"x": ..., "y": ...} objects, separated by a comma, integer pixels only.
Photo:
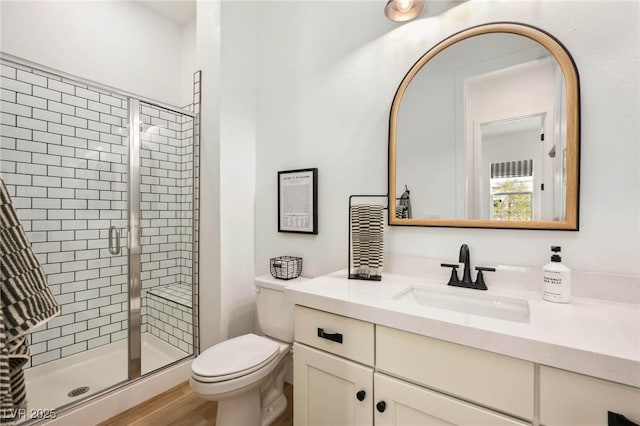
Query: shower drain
[{"x": 78, "y": 391}]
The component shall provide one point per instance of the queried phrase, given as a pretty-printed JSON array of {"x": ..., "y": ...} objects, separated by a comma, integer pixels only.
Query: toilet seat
[{"x": 234, "y": 358}]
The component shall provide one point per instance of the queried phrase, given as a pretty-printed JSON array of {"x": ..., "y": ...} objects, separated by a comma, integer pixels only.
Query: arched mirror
[{"x": 484, "y": 132}]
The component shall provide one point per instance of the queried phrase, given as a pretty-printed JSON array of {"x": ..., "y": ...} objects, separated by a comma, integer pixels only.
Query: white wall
[
  {"x": 120, "y": 44},
  {"x": 188, "y": 62},
  {"x": 325, "y": 82},
  {"x": 237, "y": 167},
  {"x": 225, "y": 42},
  {"x": 327, "y": 73},
  {"x": 208, "y": 59}
]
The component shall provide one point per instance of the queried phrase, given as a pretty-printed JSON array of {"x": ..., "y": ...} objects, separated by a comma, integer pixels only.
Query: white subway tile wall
[
  {"x": 166, "y": 223},
  {"x": 64, "y": 158}
]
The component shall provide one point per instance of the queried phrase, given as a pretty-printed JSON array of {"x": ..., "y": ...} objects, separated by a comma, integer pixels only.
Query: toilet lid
[{"x": 234, "y": 358}]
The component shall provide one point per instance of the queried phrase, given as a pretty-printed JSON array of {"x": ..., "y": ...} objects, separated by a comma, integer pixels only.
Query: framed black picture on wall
[{"x": 298, "y": 201}]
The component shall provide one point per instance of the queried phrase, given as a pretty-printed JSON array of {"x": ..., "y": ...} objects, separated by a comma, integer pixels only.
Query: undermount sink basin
[{"x": 462, "y": 300}]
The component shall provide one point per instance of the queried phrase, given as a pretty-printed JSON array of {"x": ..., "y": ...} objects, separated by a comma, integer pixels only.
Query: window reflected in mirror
[{"x": 512, "y": 198}]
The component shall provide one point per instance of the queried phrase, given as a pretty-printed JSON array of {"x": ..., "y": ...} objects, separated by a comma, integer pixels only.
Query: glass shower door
[
  {"x": 65, "y": 162},
  {"x": 166, "y": 236}
]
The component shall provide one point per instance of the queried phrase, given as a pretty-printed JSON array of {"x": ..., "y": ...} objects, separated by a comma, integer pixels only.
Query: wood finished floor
[{"x": 180, "y": 406}]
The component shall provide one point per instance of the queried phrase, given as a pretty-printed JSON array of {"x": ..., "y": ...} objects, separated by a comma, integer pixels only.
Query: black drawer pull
[
  {"x": 361, "y": 395},
  {"x": 334, "y": 337},
  {"x": 381, "y": 406}
]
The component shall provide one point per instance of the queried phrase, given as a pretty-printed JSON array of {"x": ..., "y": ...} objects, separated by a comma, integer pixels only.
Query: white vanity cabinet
[{"x": 351, "y": 372}]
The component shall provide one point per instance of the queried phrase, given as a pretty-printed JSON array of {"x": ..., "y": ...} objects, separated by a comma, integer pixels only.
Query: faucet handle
[
  {"x": 480, "y": 284},
  {"x": 453, "y": 280}
]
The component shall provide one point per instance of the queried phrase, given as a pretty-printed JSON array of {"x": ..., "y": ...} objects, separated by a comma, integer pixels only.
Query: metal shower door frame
[{"x": 135, "y": 266}]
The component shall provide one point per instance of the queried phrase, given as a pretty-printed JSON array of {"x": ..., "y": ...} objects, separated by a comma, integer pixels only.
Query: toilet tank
[{"x": 275, "y": 309}]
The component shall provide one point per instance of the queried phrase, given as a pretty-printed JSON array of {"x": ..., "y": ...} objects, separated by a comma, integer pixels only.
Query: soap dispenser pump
[{"x": 556, "y": 279}]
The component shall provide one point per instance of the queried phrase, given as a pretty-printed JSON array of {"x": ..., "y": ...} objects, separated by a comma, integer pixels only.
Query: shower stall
[{"x": 105, "y": 185}]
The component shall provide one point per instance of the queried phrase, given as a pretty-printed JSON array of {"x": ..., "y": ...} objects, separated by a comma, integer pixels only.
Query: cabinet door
[
  {"x": 327, "y": 390},
  {"x": 571, "y": 399},
  {"x": 408, "y": 405}
]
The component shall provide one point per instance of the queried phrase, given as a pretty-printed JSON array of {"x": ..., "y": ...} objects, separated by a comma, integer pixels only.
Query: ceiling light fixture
[{"x": 403, "y": 10}]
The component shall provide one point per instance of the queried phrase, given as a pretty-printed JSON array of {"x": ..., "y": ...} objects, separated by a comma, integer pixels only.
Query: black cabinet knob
[
  {"x": 381, "y": 406},
  {"x": 361, "y": 395}
]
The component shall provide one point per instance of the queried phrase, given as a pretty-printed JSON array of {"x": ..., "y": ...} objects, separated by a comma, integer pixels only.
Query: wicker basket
[{"x": 285, "y": 267}]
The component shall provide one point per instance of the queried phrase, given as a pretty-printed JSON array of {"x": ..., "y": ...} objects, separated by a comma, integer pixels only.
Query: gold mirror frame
[{"x": 572, "y": 86}]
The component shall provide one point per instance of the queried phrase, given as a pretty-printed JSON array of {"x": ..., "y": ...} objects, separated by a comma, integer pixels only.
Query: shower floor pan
[{"x": 61, "y": 382}]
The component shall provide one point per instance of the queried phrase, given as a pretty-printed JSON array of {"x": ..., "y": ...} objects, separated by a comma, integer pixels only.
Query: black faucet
[
  {"x": 466, "y": 282},
  {"x": 465, "y": 258}
]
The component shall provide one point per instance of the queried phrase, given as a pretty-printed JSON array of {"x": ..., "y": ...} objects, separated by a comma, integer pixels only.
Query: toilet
[{"x": 246, "y": 374}]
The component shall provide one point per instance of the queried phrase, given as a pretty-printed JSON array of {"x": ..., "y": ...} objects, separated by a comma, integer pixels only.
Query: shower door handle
[{"x": 114, "y": 240}]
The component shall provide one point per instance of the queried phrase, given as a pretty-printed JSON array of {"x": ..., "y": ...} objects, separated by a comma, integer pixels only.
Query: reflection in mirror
[
  {"x": 511, "y": 159},
  {"x": 480, "y": 133}
]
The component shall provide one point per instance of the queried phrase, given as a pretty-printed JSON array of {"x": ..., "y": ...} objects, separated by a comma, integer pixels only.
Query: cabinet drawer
[
  {"x": 487, "y": 378},
  {"x": 571, "y": 399},
  {"x": 347, "y": 337}
]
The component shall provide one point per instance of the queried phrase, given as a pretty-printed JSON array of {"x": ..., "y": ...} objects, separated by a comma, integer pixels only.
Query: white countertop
[{"x": 589, "y": 336}]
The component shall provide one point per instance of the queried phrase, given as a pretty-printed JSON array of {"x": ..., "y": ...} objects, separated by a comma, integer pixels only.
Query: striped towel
[
  {"x": 26, "y": 302},
  {"x": 366, "y": 232}
]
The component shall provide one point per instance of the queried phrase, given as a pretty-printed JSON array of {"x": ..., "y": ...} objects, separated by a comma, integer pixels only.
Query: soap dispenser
[{"x": 556, "y": 279}]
